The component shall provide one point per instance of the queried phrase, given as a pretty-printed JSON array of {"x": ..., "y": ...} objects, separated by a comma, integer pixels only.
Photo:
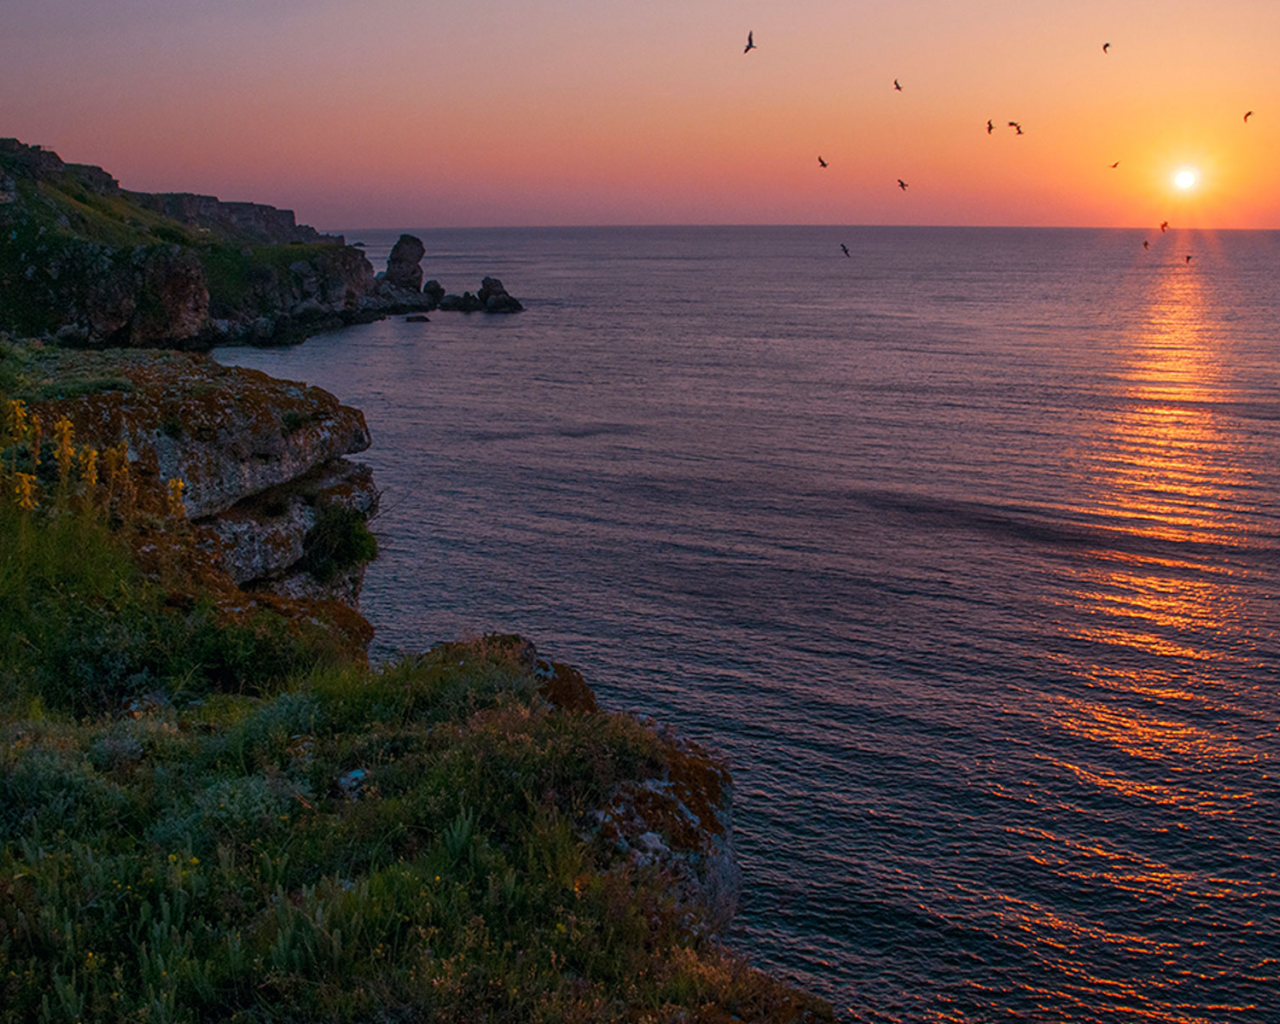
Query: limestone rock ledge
[{"x": 261, "y": 458}]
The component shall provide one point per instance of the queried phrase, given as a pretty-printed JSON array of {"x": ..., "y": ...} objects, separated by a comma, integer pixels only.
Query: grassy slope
[{"x": 203, "y": 820}]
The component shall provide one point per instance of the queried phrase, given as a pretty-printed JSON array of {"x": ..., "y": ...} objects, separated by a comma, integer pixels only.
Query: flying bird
[
  {"x": 845, "y": 248},
  {"x": 990, "y": 127},
  {"x": 896, "y": 86},
  {"x": 1247, "y": 116},
  {"x": 1146, "y": 244},
  {"x": 1106, "y": 47},
  {"x": 1016, "y": 127},
  {"x": 1164, "y": 226},
  {"x": 1188, "y": 259},
  {"x": 1115, "y": 165},
  {"x": 821, "y": 162},
  {"x": 751, "y": 43},
  {"x": 902, "y": 185}
]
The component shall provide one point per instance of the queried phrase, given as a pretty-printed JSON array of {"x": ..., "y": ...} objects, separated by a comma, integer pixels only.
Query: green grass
[
  {"x": 211, "y": 822},
  {"x": 239, "y": 274},
  {"x": 83, "y": 632}
]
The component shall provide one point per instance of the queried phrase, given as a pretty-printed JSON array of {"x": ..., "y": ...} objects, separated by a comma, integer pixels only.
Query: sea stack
[{"x": 404, "y": 268}]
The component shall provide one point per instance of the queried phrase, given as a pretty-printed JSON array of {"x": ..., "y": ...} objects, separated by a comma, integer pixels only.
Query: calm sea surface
[{"x": 965, "y": 550}]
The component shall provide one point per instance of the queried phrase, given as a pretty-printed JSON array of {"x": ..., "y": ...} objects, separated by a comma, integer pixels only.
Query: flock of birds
[{"x": 991, "y": 127}]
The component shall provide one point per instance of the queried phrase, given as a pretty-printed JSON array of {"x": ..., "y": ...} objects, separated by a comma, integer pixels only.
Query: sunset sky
[{"x": 391, "y": 113}]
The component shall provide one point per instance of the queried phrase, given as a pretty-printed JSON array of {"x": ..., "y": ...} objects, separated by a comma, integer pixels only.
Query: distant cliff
[
  {"x": 254, "y": 222},
  {"x": 97, "y": 265}
]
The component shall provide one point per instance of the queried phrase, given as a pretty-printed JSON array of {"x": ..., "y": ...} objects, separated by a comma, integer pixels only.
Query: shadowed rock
[
  {"x": 495, "y": 299},
  {"x": 403, "y": 265},
  {"x": 464, "y": 303}
]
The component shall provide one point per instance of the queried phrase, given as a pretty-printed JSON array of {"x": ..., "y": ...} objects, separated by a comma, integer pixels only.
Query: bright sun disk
[{"x": 1185, "y": 179}]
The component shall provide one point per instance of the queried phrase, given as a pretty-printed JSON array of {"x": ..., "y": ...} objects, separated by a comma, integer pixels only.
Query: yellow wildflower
[
  {"x": 37, "y": 438},
  {"x": 24, "y": 490},
  {"x": 63, "y": 431},
  {"x": 176, "y": 508},
  {"x": 17, "y": 420},
  {"x": 89, "y": 466}
]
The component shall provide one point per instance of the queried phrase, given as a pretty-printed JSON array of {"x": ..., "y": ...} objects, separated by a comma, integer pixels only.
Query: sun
[{"x": 1186, "y": 179}]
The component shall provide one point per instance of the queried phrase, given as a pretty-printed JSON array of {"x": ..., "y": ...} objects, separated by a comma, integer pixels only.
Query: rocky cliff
[
  {"x": 253, "y": 222},
  {"x": 97, "y": 265},
  {"x": 273, "y": 502},
  {"x": 100, "y": 266}
]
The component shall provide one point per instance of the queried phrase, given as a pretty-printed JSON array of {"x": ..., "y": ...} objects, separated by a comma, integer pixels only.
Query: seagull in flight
[
  {"x": 1016, "y": 127},
  {"x": 990, "y": 127},
  {"x": 1188, "y": 259},
  {"x": 896, "y": 86},
  {"x": 751, "y": 43},
  {"x": 1115, "y": 165},
  {"x": 1247, "y": 116},
  {"x": 1106, "y": 47},
  {"x": 845, "y": 248},
  {"x": 1164, "y": 226},
  {"x": 1146, "y": 244},
  {"x": 821, "y": 162},
  {"x": 902, "y": 185}
]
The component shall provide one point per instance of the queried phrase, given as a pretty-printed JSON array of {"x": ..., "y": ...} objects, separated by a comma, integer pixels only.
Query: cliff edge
[{"x": 97, "y": 265}]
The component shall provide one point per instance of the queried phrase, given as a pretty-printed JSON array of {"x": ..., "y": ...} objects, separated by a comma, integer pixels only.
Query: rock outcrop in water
[
  {"x": 403, "y": 279},
  {"x": 495, "y": 298},
  {"x": 404, "y": 265}
]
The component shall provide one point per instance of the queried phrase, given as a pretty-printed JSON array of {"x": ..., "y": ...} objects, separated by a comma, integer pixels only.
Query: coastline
[{"x": 207, "y": 523}]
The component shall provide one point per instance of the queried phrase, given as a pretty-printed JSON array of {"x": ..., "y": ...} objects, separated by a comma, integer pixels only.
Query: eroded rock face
[
  {"x": 403, "y": 265},
  {"x": 261, "y": 458},
  {"x": 682, "y": 823}
]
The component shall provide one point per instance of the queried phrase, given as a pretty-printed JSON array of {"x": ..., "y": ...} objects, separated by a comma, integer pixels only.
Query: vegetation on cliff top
[
  {"x": 61, "y": 236},
  {"x": 205, "y": 818}
]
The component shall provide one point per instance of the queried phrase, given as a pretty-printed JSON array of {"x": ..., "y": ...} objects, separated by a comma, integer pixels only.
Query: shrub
[{"x": 339, "y": 540}]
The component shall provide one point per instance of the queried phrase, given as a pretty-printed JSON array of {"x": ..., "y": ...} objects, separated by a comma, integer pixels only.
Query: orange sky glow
[{"x": 387, "y": 113}]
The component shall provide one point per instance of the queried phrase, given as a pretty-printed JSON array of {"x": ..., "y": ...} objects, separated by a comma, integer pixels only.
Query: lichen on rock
[{"x": 261, "y": 460}]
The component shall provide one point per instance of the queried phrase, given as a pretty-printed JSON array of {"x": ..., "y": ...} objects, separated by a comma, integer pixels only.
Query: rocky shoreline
[
  {"x": 96, "y": 265},
  {"x": 273, "y": 517}
]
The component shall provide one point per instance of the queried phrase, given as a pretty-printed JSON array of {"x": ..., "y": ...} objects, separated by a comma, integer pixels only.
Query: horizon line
[{"x": 927, "y": 227}]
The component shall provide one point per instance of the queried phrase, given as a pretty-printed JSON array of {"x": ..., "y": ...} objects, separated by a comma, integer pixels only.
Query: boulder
[
  {"x": 403, "y": 269},
  {"x": 495, "y": 298},
  {"x": 464, "y": 303},
  {"x": 434, "y": 291}
]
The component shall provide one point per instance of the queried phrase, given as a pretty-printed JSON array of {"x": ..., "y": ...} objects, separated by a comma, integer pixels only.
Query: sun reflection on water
[{"x": 1155, "y": 634}]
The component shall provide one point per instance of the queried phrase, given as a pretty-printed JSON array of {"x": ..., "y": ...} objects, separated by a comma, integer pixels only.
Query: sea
[{"x": 963, "y": 550}]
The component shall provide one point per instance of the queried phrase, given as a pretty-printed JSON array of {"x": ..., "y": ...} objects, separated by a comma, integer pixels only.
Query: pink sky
[{"x": 389, "y": 113}]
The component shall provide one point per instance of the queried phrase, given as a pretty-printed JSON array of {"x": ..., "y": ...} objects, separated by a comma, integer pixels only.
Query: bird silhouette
[
  {"x": 1188, "y": 259},
  {"x": 1146, "y": 244},
  {"x": 845, "y": 248},
  {"x": 1106, "y": 47},
  {"x": 821, "y": 162},
  {"x": 1115, "y": 165},
  {"x": 990, "y": 127},
  {"x": 902, "y": 185},
  {"x": 896, "y": 86},
  {"x": 1164, "y": 226},
  {"x": 1016, "y": 127},
  {"x": 1247, "y": 116},
  {"x": 751, "y": 43}
]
